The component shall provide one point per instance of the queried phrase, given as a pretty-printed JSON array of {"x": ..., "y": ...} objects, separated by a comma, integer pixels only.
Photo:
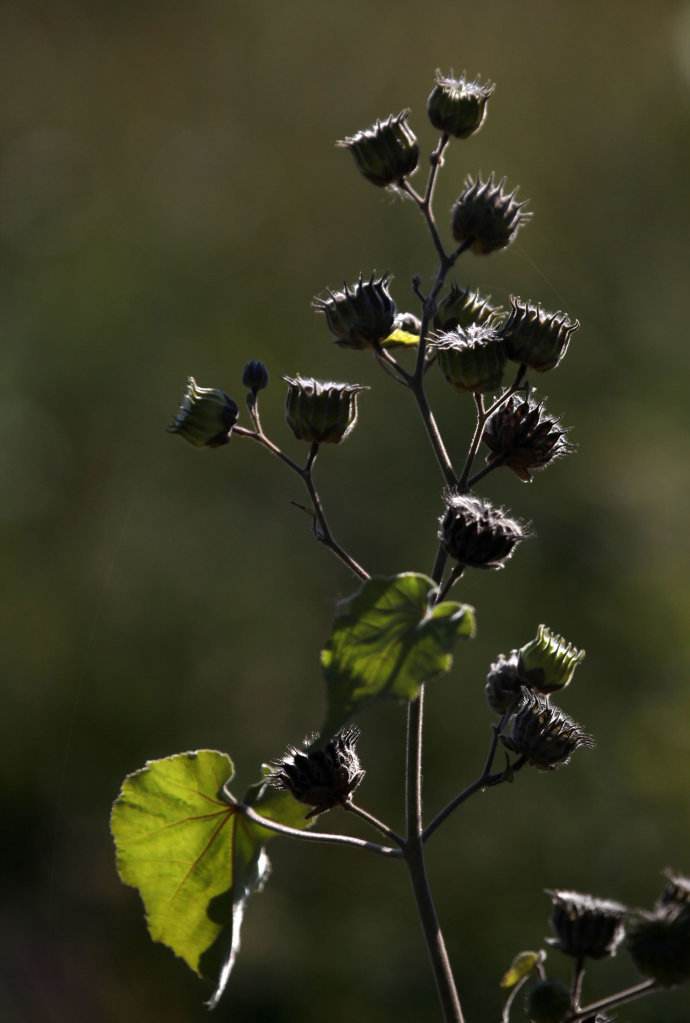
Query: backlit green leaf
[
  {"x": 387, "y": 640},
  {"x": 401, "y": 339},
  {"x": 522, "y": 965}
]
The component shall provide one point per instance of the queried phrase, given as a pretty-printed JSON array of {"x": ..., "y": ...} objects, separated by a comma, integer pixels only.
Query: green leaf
[
  {"x": 194, "y": 859},
  {"x": 401, "y": 339},
  {"x": 522, "y": 965},
  {"x": 387, "y": 640}
]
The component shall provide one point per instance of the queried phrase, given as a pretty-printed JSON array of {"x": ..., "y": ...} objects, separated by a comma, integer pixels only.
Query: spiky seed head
[
  {"x": 548, "y": 662},
  {"x": 457, "y": 106},
  {"x": 476, "y": 533},
  {"x": 408, "y": 322},
  {"x": 503, "y": 688},
  {"x": 206, "y": 416},
  {"x": 486, "y": 217},
  {"x": 548, "y": 1002},
  {"x": 461, "y": 307},
  {"x": 676, "y": 890},
  {"x": 586, "y": 927},
  {"x": 659, "y": 944},
  {"x": 255, "y": 376},
  {"x": 320, "y": 411},
  {"x": 536, "y": 337},
  {"x": 524, "y": 437},
  {"x": 543, "y": 733},
  {"x": 360, "y": 316},
  {"x": 471, "y": 358},
  {"x": 320, "y": 778},
  {"x": 385, "y": 153}
]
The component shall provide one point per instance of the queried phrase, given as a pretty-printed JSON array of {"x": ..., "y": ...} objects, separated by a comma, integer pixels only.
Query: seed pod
[
  {"x": 548, "y": 1002},
  {"x": 255, "y": 376},
  {"x": 586, "y": 927},
  {"x": 321, "y": 412},
  {"x": 659, "y": 944},
  {"x": 676, "y": 891},
  {"x": 477, "y": 534},
  {"x": 321, "y": 778},
  {"x": 503, "y": 688},
  {"x": 542, "y": 733},
  {"x": 548, "y": 662},
  {"x": 536, "y": 337},
  {"x": 385, "y": 153},
  {"x": 524, "y": 437},
  {"x": 361, "y": 315},
  {"x": 461, "y": 307},
  {"x": 408, "y": 322},
  {"x": 457, "y": 106},
  {"x": 471, "y": 358},
  {"x": 486, "y": 217},
  {"x": 205, "y": 417}
]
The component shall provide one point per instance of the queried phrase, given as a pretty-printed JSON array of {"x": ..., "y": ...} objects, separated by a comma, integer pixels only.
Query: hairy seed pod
[
  {"x": 543, "y": 733},
  {"x": 457, "y": 106},
  {"x": 659, "y": 944},
  {"x": 585, "y": 927},
  {"x": 385, "y": 153},
  {"x": 536, "y": 337},
  {"x": 476, "y": 533},
  {"x": 485, "y": 217},
  {"x": 548, "y": 662},
  {"x": 461, "y": 307},
  {"x": 503, "y": 688},
  {"x": 205, "y": 417},
  {"x": 321, "y": 778},
  {"x": 471, "y": 358},
  {"x": 360, "y": 316},
  {"x": 524, "y": 437},
  {"x": 321, "y": 412},
  {"x": 676, "y": 890},
  {"x": 548, "y": 1002}
]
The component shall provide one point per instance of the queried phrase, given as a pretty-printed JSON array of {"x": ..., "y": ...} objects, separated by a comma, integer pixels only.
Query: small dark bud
[
  {"x": 321, "y": 412},
  {"x": 471, "y": 358},
  {"x": 548, "y": 662},
  {"x": 503, "y": 686},
  {"x": 478, "y": 534},
  {"x": 542, "y": 733},
  {"x": 659, "y": 944},
  {"x": 457, "y": 106},
  {"x": 255, "y": 376},
  {"x": 524, "y": 437},
  {"x": 586, "y": 927},
  {"x": 385, "y": 153},
  {"x": 461, "y": 307},
  {"x": 205, "y": 417},
  {"x": 676, "y": 891},
  {"x": 408, "y": 322},
  {"x": 361, "y": 315},
  {"x": 548, "y": 1002},
  {"x": 486, "y": 217},
  {"x": 321, "y": 778},
  {"x": 535, "y": 337}
]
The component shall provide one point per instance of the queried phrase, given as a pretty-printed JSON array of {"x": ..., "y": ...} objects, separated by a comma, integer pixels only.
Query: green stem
[{"x": 631, "y": 994}]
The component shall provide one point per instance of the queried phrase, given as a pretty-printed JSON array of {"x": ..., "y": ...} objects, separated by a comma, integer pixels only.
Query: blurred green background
[{"x": 170, "y": 201}]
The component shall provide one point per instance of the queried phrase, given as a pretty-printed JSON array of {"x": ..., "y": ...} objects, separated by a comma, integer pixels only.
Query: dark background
[{"x": 171, "y": 200}]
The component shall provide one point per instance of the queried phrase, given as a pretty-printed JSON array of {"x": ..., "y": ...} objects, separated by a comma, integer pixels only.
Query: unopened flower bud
[
  {"x": 205, "y": 417},
  {"x": 457, "y": 106},
  {"x": 477, "y": 534},
  {"x": 543, "y": 733},
  {"x": 524, "y": 437},
  {"x": 461, "y": 307},
  {"x": 548, "y": 662},
  {"x": 385, "y": 153},
  {"x": 548, "y": 1002},
  {"x": 471, "y": 358},
  {"x": 536, "y": 337},
  {"x": 586, "y": 927},
  {"x": 362, "y": 315},
  {"x": 486, "y": 217},
  {"x": 321, "y": 778},
  {"x": 321, "y": 412},
  {"x": 676, "y": 890},
  {"x": 255, "y": 376},
  {"x": 503, "y": 688},
  {"x": 659, "y": 944}
]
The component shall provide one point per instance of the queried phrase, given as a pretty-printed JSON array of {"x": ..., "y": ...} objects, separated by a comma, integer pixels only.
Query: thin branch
[
  {"x": 375, "y": 823},
  {"x": 453, "y": 576},
  {"x": 493, "y": 464},
  {"x": 433, "y": 433},
  {"x": 476, "y": 440},
  {"x": 483, "y": 416},
  {"x": 505, "y": 1015},
  {"x": 647, "y": 987},
  {"x": 578, "y": 979},
  {"x": 392, "y": 366}
]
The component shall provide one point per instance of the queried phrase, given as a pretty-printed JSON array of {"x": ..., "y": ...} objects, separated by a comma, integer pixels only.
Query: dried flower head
[
  {"x": 538, "y": 338},
  {"x": 586, "y": 927},
  {"x": 659, "y": 944},
  {"x": 548, "y": 1002},
  {"x": 542, "y": 733},
  {"x": 360, "y": 316},
  {"x": 503, "y": 688},
  {"x": 385, "y": 153},
  {"x": 319, "y": 411},
  {"x": 676, "y": 890},
  {"x": 462, "y": 307},
  {"x": 485, "y": 217},
  {"x": 457, "y": 106},
  {"x": 476, "y": 533},
  {"x": 321, "y": 778},
  {"x": 524, "y": 437},
  {"x": 205, "y": 417},
  {"x": 471, "y": 358},
  {"x": 548, "y": 662}
]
